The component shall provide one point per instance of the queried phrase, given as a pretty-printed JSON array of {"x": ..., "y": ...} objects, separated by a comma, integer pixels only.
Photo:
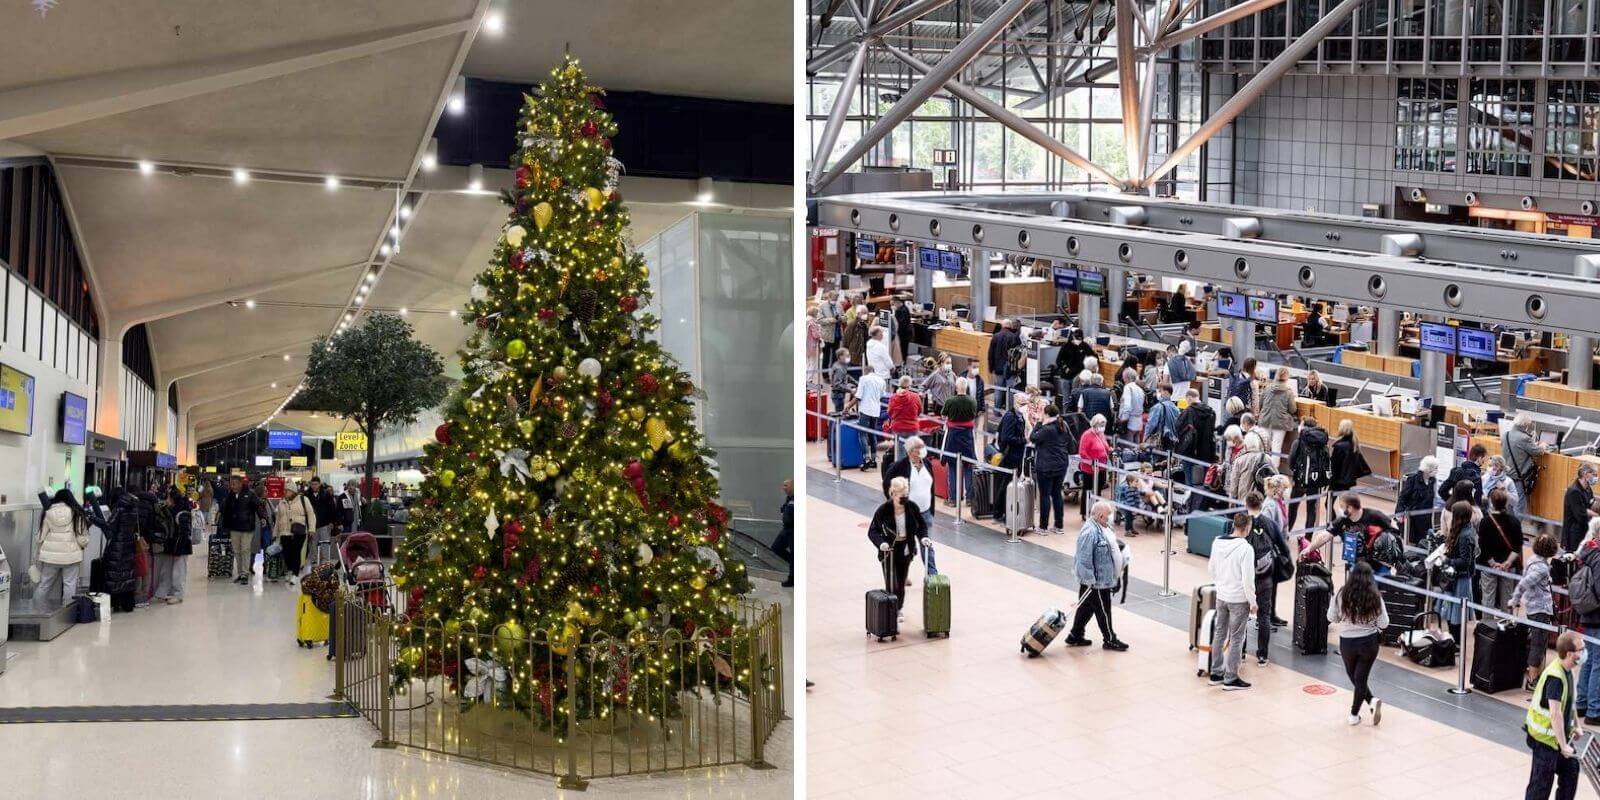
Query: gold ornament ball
[
  {"x": 411, "y": 658},
  {"x": 594, "y": 198},
  {"x": 400, "y": 580},
  {"x": 526, "y": 426},
  {"x": 698, "y": 582},
  {"x": 551, "y": 469},
  {"x": 616, "y": 263},
  {"x": 560, "y": 373},
  {"x": 542, "y": 214},
  {"x": 637, "y": 413},
  {"x": 509, "y": 637}
]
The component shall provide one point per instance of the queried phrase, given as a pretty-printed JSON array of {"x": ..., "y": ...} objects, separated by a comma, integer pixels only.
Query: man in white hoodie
[{"x": 1233, "y": 574}]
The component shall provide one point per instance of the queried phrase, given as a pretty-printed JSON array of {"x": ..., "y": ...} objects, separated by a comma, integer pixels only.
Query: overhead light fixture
[
  {"x": 241, "y": 175},
  {"x": 494, "y": 22},
  {"x": 430, "y": 155},
  {"x": 274, "y": 384},
  {"x": 286, "y": 356},
  {"x": 405, "y": 211},
  {"x": 384, "y": 250},
  {"x": 372, "y": 276},
  {"x": 404, "y": 311},
  {"x": 475, "y": 178},
  {"x": 704, "y": 192},
  {"x": 249, "y": 304},
  {"x": 147, "y": 167},
  {"x": 453, "y": 312},
  {"x": 395, "y": 231},
  {"x": 458, "y": 95},
  {"x": 349, "y": 315},
  {"x": 332, "y": 182}
]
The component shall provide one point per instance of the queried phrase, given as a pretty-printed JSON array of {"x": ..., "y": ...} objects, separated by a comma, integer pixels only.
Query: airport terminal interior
[
  {"x": 1168, "y": 256},
  {"x": 361, "y": 373}
]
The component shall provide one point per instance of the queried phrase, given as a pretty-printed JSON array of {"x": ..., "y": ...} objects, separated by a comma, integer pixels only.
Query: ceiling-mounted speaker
[
  {"x": 1418, "y": 196},
  {"x": 1528, "y": 203},
  {"x": 1587, "y": 207},
  {"x": 1471, "y": 198}
]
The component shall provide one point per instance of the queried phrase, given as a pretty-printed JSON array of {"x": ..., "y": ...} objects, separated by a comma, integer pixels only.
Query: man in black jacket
[
  {"x": 1471, "y": 471},
  {"x": 326, "y": 510},
  {"x": 1000, "y": 346},
  {"x": 902, "y": 327},
  {"x": 1197, "y": 437},
  {"x": 241, "y": 516},
  {"x": 1575, "y": 505},
  {"x": 784, "y": 544}
]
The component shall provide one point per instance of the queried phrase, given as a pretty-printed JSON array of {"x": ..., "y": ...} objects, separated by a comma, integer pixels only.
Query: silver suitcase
[{"x": 1022, "y": 505}]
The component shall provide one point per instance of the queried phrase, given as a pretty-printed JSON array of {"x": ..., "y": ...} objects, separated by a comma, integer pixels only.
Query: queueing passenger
[
  {"x": 1180, "y": 368},
  {"x": 1551, "y": 723},
  {"x": 879, "y": 359},
  {"x": 1069, "y": 359},
  {"x": 940, "y": 383},
  {"x": 1461, "y": 552},
  {"x": 1589, "y": 677},
  {"x": 295, "y": 520},
  {"x": 1129, "y": 496},
  {"x": 1094, "y": 455},
  {"x": 870, "y": 390},
  {"x": 975, "y": 385},
  {"x": 905, "y": 407},
  {"x": 1469, "y": 470},
  {"x": 1522, "y": 453},
  {"x": 1130, "y": 410},
  {"x": 902, "y": 327},
  {"x": 1577, "y": 507},
  {"x": 1232, "y": 410},
  {"x": 1351, "y": 520},
  {"x": 1246, "y": 468},
  {"x": 1348, "y": 465},
  {"x": 828, "y": 314},
  {"x": 63, "y": 535},
  {"x": 1001, "y": 344},
  {"x": 1276, "y": 505},
  {"x": 898, "y": 529},
  {"x": 960, "y": 416},
  {"x": 327, "y": 514},
  {"x": 1197, "y": 440},
  {"x": 1534, "y": 598},
  {"x": 171, "y": 565},
  {"x": 840, "y": 384},
  {"x": 1310, "y": 466},
  {"x": 856, "y": 335},
  {"x": 1499, "y": 547},
  {"x": 1361, "y": 615},
  {"x": 1095, "y": 399},
  {"x": 1097, "y": 564},
  {"x": 1413, "y": 506},
  {"x": 1232, "y": 568},
  {"x": 1496, "y": 476},
  {"x": 918, "y": 472},
  {"x": 1242, "y": 384},
  {"x": 1459, "y": 493},
  {"x": 1267, "y": 540},
  {"x": 1052, "y": 456},
  {"x": 1277, "y": 411},
  {"x": 1161, "y": 426}
]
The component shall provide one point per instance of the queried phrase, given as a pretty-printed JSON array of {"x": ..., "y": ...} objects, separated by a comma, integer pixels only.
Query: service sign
[
  {"x": 1065, "y": 278},
  {"x": 350, "y": 440},
  {"x": 278, "y": 439},
  {"x": 297, "y": 461},
  {"x": 274, "y": 484}
]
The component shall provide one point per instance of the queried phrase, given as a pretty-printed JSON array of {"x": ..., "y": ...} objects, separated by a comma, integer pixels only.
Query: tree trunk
[{"x": 366, "y": 483}]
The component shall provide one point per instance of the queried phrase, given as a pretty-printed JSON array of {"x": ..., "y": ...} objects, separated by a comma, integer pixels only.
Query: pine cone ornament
[
  {"x": 569, "y": 430},
  {"x": 585, "y": 304}
]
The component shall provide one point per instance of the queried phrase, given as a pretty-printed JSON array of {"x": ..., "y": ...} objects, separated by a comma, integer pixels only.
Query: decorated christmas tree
[{"x": 569, "y": 498}]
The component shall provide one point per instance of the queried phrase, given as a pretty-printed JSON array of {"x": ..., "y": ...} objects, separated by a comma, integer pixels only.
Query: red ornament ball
[
  {"x": 628, "y": 304},
  {"x": 513, "y": 527},
  {"x": 594, "y": 589},
  {"x": 594, "y": 553},
  {"x": 590, "y": 129},
  {"x": 597, "y": 102},
  {"x": 547, "y": 313},
  {"x": 713, "y": 535},
  {"x": 518, "y": 262},
  {"x": 442, "y": 433},
  {"x": 605, "y": 144},
  {"x": 524, "y": 176},
  {"x": 416, "y": 595},
  {"x": 615, "y": 197},
  {"x": 648, "y": 383},
  {"x": 674, "y": 521},
  {"x": 549, "y": 523},
  {"x": 480, "y": 572},
  {"x": 472, "y": 455}
]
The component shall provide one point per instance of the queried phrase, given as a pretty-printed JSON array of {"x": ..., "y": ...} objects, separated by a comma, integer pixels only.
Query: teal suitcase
[{"x": 1202, "y": 531}]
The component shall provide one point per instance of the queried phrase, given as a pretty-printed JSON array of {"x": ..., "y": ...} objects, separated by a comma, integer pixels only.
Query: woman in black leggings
[{"x": 1362, "y": 616}]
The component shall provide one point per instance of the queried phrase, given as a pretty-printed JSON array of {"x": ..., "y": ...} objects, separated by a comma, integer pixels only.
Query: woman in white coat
[{"x": 62, "y": 537}]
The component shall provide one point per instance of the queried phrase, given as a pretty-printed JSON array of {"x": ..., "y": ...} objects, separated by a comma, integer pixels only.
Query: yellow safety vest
[{"x": 1538, "y": 721}]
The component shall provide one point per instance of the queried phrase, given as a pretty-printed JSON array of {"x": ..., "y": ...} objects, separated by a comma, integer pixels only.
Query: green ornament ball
[
  {"x": 447, "y": 478},
  {"x": 516, "y": 348},
  {"x": 510, "y": 637},
  {"x": 411, "y": 658},
  {"x": 452, "y": 630}
]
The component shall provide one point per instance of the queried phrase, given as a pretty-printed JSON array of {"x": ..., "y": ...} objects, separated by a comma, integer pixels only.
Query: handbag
[
  {"x": 1429, "y": 647},
  {"x": 84, "y": 609}
]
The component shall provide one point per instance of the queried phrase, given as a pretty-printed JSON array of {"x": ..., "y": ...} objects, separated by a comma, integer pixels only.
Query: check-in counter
[
  {"x": 1382, "y": 439},
  {"x": 971, "y": 344},
  {"x": 1005, "y": 294},
  {"x": 1556, "y": 392},
  {"x": 1556, "y": 473},
  {"x": 1399, "y": 366}
]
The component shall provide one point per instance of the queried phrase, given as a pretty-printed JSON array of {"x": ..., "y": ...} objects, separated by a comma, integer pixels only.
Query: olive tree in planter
[{"x": 375, "y": 375}]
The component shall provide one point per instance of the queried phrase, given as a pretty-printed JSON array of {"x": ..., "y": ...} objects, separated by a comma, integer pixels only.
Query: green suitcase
[{"x": 936, "y": 605}]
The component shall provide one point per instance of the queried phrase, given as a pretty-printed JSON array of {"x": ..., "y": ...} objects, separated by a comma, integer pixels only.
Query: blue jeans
[
  {"x": 1588, "y": 697},
  {"x": 1463, "y": 590},
  {"x": 869, "y": 443},
  {"x": 959, "y": 441}
]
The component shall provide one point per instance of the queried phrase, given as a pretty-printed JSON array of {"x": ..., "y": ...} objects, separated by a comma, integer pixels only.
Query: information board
[
  {"x": 350, "y": 441},
  {"x": 74, "y": 418},
  {"x": 1437, "y": 337},
  {"x": 16, "y": 401},
  {"x": 298, "y": 461},
  {"x": 263, "y": 461},
  {"x": 1264, "y": 309},
  {"x": 867, "y": 249},
  {"x": 1232, "y": 305},
  {"x": 1091, "y": 282},
  {"x": 928, "y": 258},
  {"x": 950, "y": 262},
  {"x": 282, "y": 439},
  {"x": 1065, "y": 278},
  {"x": 274, "y": 485},
  {"x": 1475, "y": 343}
]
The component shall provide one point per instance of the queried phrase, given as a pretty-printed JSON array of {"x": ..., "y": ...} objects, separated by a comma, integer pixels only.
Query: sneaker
[
  {"x": 1377, "y": 711},
  {"x": 172, "y": 601},
  {"x": 1115, "y": 644},
  {"x": 1261, "y": 661},
  {"x": 1279, "y": 623},
  {"x": 1216, "y": 679},
  {"x": 1077, "y": 641},
  {"x": 1355, "y": 719},
  {"x": 1235, "y": 685}
]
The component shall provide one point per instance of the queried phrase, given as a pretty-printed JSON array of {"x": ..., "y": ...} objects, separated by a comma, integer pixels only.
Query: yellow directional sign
[
  {"x": 351, "y": 440},
  {"x": 297, "y": 461}
]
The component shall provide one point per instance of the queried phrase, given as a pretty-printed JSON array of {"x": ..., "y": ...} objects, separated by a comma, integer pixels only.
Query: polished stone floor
[{"x": 233, "y": 644}]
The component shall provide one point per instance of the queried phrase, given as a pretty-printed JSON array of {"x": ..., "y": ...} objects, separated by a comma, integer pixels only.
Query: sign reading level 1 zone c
[{"x": 350, "y": 440}]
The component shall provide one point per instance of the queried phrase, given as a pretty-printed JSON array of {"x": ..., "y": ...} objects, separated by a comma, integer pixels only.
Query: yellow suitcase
[{"x": 311, "y": 624}]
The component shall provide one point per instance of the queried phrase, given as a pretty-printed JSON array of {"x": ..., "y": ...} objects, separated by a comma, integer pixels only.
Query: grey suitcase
[{"x": 1022, "y": 505}]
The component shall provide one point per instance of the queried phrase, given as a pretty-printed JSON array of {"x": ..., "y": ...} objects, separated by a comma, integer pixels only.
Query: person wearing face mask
[
  {"x": 1534, "y": 600},
  {"x": 1589, "y": 677},
  {"x": 1495, "y": 476},
  {"x": 902, "y": 326},
  {"x": 1551, "y": 724},
  {"x": 1069, "y": 359},
  {"x": 975, "y": 386},
  {"x": 1575, "y": 507},
  {"x": 960, "y": 417},
  {"x": 1352, "y": 521},
  {"x": 1180, "y": 368},
  {"x": 898, "y": 529},
  {"x": 840, "y": 384},
  {"x": 940, "y": 384},
  {"x": 828, "y": 324}
]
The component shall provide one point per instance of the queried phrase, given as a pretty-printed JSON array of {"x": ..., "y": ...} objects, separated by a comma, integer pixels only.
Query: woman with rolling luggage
[
  {"x": 1051, "y": 458},
  {"x": 1361, "y": 616},
  {"x": 289, "y": 528},
  {"x": 898, "y": 531}
]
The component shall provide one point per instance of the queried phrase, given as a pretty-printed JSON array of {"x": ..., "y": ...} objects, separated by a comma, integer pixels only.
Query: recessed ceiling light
[
  {"x": 285, "y": 356},
  {"x": 404, "y": 311},
  {"x": 458, "y": 95},
  {"x": 430, "y": 155},
  {"x": 274, "y": 384},
  {"x": 395, "y": 231},
  {"x": 452, "y": 312},
  {"x": 494, "y": 22},
  {"x": 332, "y": 182},
  {"x": 146, "y": 167},
  {"x": 372, "y": 276},
  {"x": 384, "y": 250},
  {"x": 405, "y": 211},
  {"x": 241, "y": 175},
  {"x": 249, "y": 304}
]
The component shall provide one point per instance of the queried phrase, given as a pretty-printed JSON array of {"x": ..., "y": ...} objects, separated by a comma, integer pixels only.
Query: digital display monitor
[
  {"x": 1508, "y": 340},
  {"x": 1264, "y": 309},
  {"x": 263, "y": 461},
  {"x": 866, "y": 249},
  {"x": 283, "y": 440},
  {"x": 950, "y": 262},
  {"x": 1437, "y": 337},
  {"x": 16, "y": 401},
  {"x": 927, "y": 258},
  {"x": 1475, "y": 343},
  {"x": 74, "y": 418},
  {"x": 1065, "y": 278},
  {"x": 1231, "y": 304},
  {"x": 1091, "y": 282}
]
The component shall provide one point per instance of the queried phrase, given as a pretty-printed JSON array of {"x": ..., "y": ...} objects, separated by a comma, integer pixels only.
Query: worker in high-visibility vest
[{"x": 1551, "y": 724}]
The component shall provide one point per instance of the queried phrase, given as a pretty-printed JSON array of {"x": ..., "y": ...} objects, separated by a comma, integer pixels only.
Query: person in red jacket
[
  {"x": 905, "y": 406},
  {"x": 1093, "y": 452}
]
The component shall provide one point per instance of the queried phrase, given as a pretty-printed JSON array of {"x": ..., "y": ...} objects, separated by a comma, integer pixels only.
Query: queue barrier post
[
  {"x": 1166, "y": 547},
  {"x": 955, "y": 487},
  {"x": 838, "y": 442},
  {"x": 1461, "y": 687}
]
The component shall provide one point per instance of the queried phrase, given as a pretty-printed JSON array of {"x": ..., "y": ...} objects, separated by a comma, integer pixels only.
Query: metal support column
[
  {"x": 1116, "y": 292},
  {"x": 921, "y": 283},
  {"x": 1434, "y": 372},
  {"x": 1244, "y": 340},
  {"x": 1386, "y": 331},
  {"x": 1089, "y": 315},
  {"x": 1580, "y": 349},
  {"x": 977, "y": 314}
]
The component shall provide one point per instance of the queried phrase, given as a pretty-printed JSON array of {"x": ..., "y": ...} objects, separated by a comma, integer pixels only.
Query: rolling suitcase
[
  {"x": 1313, "y": 590},
  {"x": 816, "y": 426},
  {"x": 935, "y": 598},
  {"x": 989, "y": 492},
  {"x": 1201, "y": 532},
  {"x": 1404, "y": 608},
  {"x": 941, "y": 478},
  {"x": 1201, "y": 600},
  {"x": 1043, "y": 631},
  {"x": 1499, "y": 656},
  {"x": 272, "y": 567},
  {"x": 1205, "y": 632},
  {"x": 310, "y": 623},
  {"x": 219, "y": 556},
  {"x": 844, "y": 446},
  {"x": 883, "y": 613}
]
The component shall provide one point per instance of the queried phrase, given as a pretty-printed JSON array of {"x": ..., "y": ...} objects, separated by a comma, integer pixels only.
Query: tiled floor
[
  {"x": 230, "y": 644},
  {"x": 970, "y": 717}
]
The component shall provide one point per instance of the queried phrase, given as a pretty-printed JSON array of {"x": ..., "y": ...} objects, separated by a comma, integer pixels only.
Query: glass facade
[
  {"x": 1572, "y": 130},
  {"x": 1427, "y": 116},
  {"x": 1500, "y": 137}
]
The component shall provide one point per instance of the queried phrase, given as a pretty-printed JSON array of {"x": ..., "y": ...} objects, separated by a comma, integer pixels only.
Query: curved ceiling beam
[
  {"x": 123, "y": 319},
  {"x": 191, "y": 370}
]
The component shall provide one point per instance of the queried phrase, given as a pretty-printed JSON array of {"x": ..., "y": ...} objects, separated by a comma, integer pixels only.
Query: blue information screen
[
  {"x": 1437, "y": 337},
  {"x": 1475, "y": 343},
  {"x": 1232, "y": 304},
  {"x": 1065, "y": 278},
  {"x": 950, "y": 262},
  {"x": 283, "y": 440},
  {"x": 74, "y": 418},
  {"x": 927, "y": 258},
  {"x": 866, "y": 249}
]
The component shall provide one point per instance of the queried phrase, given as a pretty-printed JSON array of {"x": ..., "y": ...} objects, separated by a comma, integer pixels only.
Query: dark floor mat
[{"x": 207, "y": 713}]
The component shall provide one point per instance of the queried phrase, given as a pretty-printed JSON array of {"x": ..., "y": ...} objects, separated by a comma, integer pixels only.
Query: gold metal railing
[{"x": 599, "y": 708}]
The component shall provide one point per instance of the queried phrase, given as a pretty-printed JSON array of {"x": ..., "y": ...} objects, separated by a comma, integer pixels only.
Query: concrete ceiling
[
  {"x": 726, "y": 49},
  {"x": 295, "y": 90}
]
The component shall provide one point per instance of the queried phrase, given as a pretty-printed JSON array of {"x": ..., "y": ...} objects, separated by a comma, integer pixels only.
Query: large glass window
[
  {"x": 1500, "y": 127},
  {"x": 1572, "y": 130},
  {"x": 1427, "y": 113}
]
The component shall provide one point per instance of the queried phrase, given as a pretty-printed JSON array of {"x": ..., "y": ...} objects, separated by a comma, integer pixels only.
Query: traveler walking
[
  {"x": 898, "y": 529},
  {"x": 1361, "y": 615},
  {"x": 783, "y": 545},
  {"x": 295, "y": 520},
  {"x": 242, "y": 516},
  {"x": 1232, "y": 568},
  {"x": 1098, "y": 563}
]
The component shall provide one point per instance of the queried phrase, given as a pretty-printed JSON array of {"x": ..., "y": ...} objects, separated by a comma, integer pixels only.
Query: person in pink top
[{"x": 1093, "y": 452}]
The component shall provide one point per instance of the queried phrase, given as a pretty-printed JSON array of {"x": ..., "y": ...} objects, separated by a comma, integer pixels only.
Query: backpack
[
  {"x": 1384, "y": 547},
  {"x": 1266, "y": 554},
  {"x": 1017, "y": 360},
  {"x": 1263, "y": 471},
  {"x": 1316, "y": 468},
  {"x": 1581, "y": 587}
]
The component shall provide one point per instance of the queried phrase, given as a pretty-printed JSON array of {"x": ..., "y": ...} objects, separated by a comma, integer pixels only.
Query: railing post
[
  {"x": 955, "y": 488},
  {"x": 337, "y": 632},
  {"x": 571, "y": 780},
  {"x": 1461, "y": 687},
  {"x": 379, "y": 647},
  {"x": 837, "y": 440},
  {"x": 758, "y": 710},
  {"x": 1166, "y": 549}
]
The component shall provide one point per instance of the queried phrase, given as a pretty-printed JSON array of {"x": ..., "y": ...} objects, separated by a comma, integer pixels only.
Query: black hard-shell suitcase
[
  {"x": 1404, "y": 608},
  {"x": 883, "y": 612},
  {"x": 1313, "y": 590},
  {"x": 989, "y": 492},
  {"x": 219, "y": 556},
  {"x": 1499, "y": 656}
]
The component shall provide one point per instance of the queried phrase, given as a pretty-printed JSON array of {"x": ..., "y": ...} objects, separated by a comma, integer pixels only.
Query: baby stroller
[{"x": 363, "y": 571}]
